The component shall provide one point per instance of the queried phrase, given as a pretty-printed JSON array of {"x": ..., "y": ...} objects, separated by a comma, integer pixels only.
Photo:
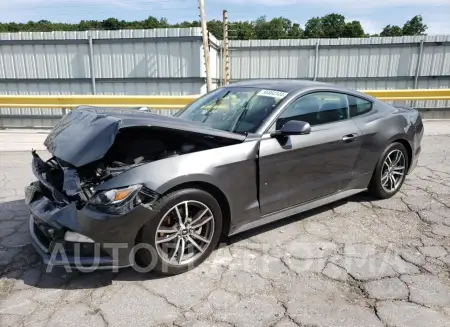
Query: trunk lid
[{"x": 87, "y": 133}]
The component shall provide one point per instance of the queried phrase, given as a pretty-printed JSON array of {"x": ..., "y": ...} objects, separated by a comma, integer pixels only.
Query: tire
[
  {"x": 376, "y": 187},
  {"x": 157, "y": 258}
]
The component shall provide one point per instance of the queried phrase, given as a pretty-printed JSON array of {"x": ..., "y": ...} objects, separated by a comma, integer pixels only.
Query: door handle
[{"x": 349, "y": 137}]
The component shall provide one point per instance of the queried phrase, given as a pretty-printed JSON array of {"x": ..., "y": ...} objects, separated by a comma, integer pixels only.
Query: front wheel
[
  {"x": 390, "y": 172},
  {"x": 184, "y": 234}
]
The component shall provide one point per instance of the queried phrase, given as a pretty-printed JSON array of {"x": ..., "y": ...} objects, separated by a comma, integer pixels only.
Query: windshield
[{"x": 233, "y": 109}]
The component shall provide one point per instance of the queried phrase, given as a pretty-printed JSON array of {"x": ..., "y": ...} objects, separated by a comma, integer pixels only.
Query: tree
[
  {"x": 333, "y": 25},
  {"x": 415, "y": 26},
  {"x": 243, "y": 31},
  {"x": 262, "y": 28},
  {"x": 392, "y": 30},
  {"x": 295, "y": 32},
  {"x": 330, "y": 26},
  {"x": 111, "y": 24},
  {"x": 215, "y": 27},
  {"x": 353, "y": 29},
  {"x": 151, "y": 22},
  {"x": 314, "y": 28}
]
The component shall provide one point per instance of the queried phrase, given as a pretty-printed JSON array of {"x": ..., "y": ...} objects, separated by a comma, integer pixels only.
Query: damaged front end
[
  {"x": 84, "y": 213},
  {"x": 72, "y": 224}
]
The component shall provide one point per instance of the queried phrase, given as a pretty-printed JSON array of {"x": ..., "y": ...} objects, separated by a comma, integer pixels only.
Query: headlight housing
[
  {"x": 116, "y": 201},
  {"x": 114, "y": 196}
]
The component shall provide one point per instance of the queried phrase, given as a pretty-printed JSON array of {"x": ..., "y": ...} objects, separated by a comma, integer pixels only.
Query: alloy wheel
[
  {"x": 185, "y": 232},
  {"x": 393, "y": 170}
]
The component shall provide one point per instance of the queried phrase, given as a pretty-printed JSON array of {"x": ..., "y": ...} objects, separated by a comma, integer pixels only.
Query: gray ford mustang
[{"x": 123, "y": 184}]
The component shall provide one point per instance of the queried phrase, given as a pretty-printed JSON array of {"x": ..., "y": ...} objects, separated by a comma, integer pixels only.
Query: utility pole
[
  {"x": 205, "y": 35},
  {"x": 225, "y": 48}
]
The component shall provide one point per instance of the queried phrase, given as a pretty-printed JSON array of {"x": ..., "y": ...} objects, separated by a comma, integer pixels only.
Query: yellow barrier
[
  {"x": 424, "y": 94},
  {"x": 177, "y": 102},
  {"x": 71, "y": 101}
]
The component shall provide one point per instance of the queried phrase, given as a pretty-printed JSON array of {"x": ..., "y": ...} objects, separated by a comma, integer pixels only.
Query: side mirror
[{"x": 293, "y": 127}]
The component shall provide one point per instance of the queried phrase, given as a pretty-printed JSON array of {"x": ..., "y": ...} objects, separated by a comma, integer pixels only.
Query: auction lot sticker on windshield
[{"x": 272, "y": 93}]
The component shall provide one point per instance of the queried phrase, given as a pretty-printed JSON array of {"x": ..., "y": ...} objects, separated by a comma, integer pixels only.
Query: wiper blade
[
  {"x": 242, "y": 115},
  {"x": 214, "y": 106}
]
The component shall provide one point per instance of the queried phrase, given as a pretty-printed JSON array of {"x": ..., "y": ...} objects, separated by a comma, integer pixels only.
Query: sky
[{"x": 373, "y": 14}]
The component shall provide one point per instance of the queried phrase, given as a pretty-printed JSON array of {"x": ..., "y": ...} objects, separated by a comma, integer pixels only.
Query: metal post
[
  {"x": 205, "y": 44},
  {"x": 226, "y": 58},
  {"x": 316, "y": 61},
  {"x": 418, "y": 69},
  {"x": 220, "y": 65},
  {"x": 419, "y": 65},
  {"x": 91, "y": 64}
]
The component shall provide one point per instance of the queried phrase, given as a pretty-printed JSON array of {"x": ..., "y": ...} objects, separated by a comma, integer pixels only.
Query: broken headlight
[
  {"x": 122, "y": 200},
  {"x": 114, "y": 196},
  {"x": 116, "y": 201}
]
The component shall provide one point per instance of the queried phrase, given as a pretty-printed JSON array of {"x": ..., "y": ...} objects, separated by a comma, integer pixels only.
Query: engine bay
[{"x": 131, "y": 148}]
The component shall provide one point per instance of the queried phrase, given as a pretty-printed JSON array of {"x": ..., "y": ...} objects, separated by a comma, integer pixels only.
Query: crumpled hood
[{"x": 86, "y": 133}]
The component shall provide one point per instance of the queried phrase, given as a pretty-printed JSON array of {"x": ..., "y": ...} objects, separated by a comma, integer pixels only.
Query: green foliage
[
  {"x": 415, "y": 26},
  {"x": 392, "y": 30},
  {"x": 329, "y": 26},
  {"x": 332, "y": 26},
  {"x": 353, "y": 29}
]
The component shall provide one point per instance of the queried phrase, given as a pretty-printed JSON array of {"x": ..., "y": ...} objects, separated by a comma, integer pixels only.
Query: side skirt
[{"x": 295, "y": 210}]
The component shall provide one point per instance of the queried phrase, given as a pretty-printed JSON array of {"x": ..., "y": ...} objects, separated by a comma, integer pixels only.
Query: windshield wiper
[
  {"x": 242, "y": 115},
  {"x": 214, "y": 106}
]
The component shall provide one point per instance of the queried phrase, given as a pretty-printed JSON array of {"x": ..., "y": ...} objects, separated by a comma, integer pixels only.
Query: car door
[{"x": 299, "y": 168}]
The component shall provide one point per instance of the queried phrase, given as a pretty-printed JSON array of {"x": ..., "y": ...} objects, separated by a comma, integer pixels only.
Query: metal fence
[
  {"x": 170, "y": 62},
  {"x": 128, "y": 62},
  {"x": 409, "y": 62}
]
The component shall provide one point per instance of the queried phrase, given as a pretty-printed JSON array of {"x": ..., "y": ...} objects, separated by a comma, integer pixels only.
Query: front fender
[{"x": 232, "y": 169}]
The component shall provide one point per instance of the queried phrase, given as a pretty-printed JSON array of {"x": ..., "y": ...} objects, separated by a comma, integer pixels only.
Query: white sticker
[{"x": 272, "y": 93}]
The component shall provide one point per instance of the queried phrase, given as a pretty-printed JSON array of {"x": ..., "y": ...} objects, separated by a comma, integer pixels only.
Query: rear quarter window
[{"x": 358, "y": 106}]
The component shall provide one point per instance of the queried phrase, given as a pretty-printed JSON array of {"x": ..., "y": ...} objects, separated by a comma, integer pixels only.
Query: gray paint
[{"x": 262, "y": 178}]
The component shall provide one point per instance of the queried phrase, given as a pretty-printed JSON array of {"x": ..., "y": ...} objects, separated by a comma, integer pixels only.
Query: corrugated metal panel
[
  {"x": 144, "y": 88},
  {"x": 44, "y": 61},
  {"x": 41, "y": 89},
  {"x": 436, "y": 60},
  {"x": 120, "y": 34},
  {"x": 272, "y": 63},
  {"x": 433, "y": 84},
  {"x": 374, "y": 84},
  {"x": 367, "y": 62},
  {"x": 147, "y": 59},
  {"x": 59, "y": 62},
  {"x": 149, "y": 88},
  {"x": 340, "y": 41}
]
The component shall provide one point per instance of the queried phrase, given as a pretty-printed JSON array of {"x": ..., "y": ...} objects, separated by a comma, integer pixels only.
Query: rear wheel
[
  {"x": 390, "y": 172},
  {"x": 184, "y": 234}
]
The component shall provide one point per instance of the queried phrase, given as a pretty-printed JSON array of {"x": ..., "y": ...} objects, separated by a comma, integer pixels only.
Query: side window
[
  {"x": 316, "y": 109},
  {"x": 358, "y": 106}
]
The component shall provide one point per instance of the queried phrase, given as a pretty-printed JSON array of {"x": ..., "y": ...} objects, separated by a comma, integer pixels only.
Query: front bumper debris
[{"x": 54, "y": 213}]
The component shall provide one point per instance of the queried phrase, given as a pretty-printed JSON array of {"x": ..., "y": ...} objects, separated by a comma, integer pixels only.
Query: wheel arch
[
  {"x": 408, "y": 148},
  {"x": 396, "y": 139},
  {"x": 217, "y": 193}
]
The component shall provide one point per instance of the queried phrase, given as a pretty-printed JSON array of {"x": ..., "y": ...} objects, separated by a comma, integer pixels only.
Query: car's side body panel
[
  {"x": 262, "y": 178},
  {"x": 232, "y": 169},
  {"x": 301, "y": 168},
  {"x": 382, "y": 126}
]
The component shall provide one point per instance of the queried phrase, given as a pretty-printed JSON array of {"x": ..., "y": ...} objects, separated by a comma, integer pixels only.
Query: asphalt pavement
[{"x": 357, "y": 262}]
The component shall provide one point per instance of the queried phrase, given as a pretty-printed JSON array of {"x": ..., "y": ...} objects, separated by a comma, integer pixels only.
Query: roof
[
  {"x": 284, "y": 85},
  {"x": 289, "y": 85}
]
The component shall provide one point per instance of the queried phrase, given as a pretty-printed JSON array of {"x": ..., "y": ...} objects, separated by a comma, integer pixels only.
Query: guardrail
[
  {"x": 178, "y": 102},
  {"x": 71, "y": 101}
]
